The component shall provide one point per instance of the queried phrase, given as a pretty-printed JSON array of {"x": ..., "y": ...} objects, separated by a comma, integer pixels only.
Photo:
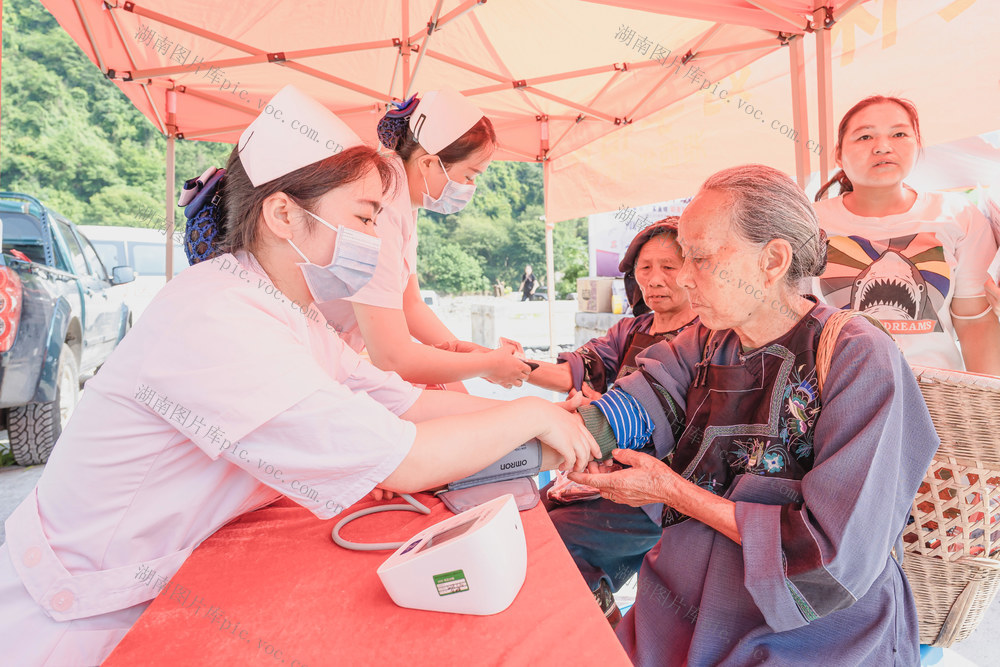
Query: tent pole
[
  {"x": 259, "y": 59},
  {"x": 431, "y": 27},
  {"x": 131, "y": 60},
  {"x": 791, "y": 18},
  {"x": 170, "y": 208},
  {"x": 824, "y": 91},
  {"x": 550, "y": 262},
  {"x": 800, "y": 117},
  {"x": 550, "y": 270},
  {"x": 736, "y": 48},
  {"x": 453, "y": 15},
  {"x": 169, "y": 217},
  {"x": 405, "y": 45}
]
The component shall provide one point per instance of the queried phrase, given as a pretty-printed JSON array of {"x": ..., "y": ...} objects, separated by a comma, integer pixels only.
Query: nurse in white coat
[
  {"x": 441, "y": 143},
  {"x": 232, "y": 391}
]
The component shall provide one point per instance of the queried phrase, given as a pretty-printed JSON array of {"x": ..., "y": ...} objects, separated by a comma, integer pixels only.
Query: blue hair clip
[
  {"x": 204, "y": 232},
  {"x": 392, "y": 127},
  {"x": 404, "y": 108}
]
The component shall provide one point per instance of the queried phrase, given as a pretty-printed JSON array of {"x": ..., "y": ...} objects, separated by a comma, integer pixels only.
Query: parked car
[
  {"x": 61, "y": 316},
  {"x": 143, "y": 250}
]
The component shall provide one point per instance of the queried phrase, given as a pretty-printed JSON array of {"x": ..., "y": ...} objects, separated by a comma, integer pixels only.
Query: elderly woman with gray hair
[{"x": 781, "y": 504}]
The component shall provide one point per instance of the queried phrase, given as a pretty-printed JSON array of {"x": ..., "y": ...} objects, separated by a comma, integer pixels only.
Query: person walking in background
[{"x": 528, "y": 284}]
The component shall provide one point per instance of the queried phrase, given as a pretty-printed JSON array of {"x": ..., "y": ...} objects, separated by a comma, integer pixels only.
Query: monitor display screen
[{"x": 449, "y": 534}]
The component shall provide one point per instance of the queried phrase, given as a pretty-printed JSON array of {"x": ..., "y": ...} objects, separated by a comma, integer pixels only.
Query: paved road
[{"x": 15, "y": 484}]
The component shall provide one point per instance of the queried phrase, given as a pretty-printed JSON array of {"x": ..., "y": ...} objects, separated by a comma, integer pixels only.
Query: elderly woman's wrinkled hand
[{"x": 645, "y": 482}]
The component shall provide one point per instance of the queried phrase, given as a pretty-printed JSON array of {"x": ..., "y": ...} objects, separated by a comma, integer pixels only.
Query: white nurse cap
[
  {"x": 292, "y": 131},
  {"x": 441, "y": 117}
]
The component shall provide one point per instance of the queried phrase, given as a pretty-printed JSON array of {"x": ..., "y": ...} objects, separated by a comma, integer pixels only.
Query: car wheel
[{"x": 35, "y": 427}]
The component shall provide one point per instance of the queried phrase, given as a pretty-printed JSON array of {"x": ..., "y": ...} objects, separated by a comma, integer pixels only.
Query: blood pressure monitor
[{"x": 471, "y": 563}]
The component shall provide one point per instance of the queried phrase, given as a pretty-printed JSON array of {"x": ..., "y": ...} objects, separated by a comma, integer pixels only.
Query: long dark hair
[
  {"x": 244, "y": 203},
  {"x": 394, "y": 133},
  {"x": 840, "y": 178}
]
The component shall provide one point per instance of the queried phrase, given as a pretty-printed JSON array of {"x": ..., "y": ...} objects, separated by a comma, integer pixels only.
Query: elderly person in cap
[
  {"x": 660, "y": 307},
  {"x": 783, "y": 492},
  {"x": 232, "y": 391},
  {"x": 607, "y": 540}
]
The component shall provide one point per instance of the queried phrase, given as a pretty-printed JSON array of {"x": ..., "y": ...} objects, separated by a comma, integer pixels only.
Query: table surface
[{"x": 272, "y": 588}]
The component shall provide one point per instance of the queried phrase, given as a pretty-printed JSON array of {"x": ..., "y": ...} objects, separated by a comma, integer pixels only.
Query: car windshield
[
  {"x": 112, "y": 253},
  {"x": 148, "y": 259}
]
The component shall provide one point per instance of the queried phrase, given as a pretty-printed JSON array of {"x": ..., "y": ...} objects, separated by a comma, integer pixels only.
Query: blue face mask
[
  {"x": 453, "y": 198},
  {"x": 354, "y": 258}
]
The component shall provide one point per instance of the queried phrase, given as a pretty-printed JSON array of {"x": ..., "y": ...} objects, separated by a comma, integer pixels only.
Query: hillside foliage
[{"x": 71, "y": 138}]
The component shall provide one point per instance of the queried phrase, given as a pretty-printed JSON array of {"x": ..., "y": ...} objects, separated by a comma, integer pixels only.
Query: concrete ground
[
  {"x": 15, "y": 484},
  {"x": 528, "y": 323}
]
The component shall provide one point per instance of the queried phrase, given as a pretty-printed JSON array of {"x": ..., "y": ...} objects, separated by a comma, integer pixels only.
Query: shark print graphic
[
  {"x": 902, "y": 281},
  {"x": 890, "y": 288}
]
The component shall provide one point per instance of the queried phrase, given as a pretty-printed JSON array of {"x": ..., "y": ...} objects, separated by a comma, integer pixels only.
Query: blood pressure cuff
[
  {"x": 525, "y": 461},
  {"x": 523, "y": 489}
]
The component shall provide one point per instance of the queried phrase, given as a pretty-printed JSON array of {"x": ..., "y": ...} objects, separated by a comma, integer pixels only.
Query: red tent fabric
[{"x": 555, "y": 76}]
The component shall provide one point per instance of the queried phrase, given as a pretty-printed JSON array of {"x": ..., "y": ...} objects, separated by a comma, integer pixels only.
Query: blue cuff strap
[{"x": 628, "y": 419}]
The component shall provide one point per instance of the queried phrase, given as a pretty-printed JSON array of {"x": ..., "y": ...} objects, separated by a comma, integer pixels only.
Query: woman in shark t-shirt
[{"x": 916, "y": 261}]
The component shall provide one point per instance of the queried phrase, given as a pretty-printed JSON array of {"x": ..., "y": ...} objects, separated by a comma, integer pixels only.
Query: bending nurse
[
  {"x": 225, "y": 396},
  {"x": 441, "y": 143}
]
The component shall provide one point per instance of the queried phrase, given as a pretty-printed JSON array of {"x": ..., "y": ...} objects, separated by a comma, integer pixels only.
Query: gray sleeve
[{"x": 667, "y": 370}]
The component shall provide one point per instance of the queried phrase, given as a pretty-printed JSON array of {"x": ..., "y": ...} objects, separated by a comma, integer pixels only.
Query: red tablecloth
[{"x": 272, "y": 589}]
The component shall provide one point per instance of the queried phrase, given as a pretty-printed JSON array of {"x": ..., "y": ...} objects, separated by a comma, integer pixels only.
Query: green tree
[
  {"x": 483, "y": 239},
  {"x": 120, "y": 205},
  {"x": 570, "y": 250},
  {"x": 71, "y": 138},
  {"x": 69, "y": 134},
  {"x": 448, "y": 268}
]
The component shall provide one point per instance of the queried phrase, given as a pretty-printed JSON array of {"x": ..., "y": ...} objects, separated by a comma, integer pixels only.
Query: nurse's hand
[
  {"x": 513, "y": 345},
  {"x": 992, "y": 295},
  {"x": 578, "y": 398},
  {"x": 574, "y": 399},
  {"x": 507, "y": 369},
  {"x": 378, "y": 494},
  {"x": 460, "y": 346},
  {"x": 565, "y": 433}
]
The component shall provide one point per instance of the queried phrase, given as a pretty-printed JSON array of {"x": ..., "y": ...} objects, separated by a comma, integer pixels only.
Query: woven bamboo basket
[{"x": 952, "y": 546}]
